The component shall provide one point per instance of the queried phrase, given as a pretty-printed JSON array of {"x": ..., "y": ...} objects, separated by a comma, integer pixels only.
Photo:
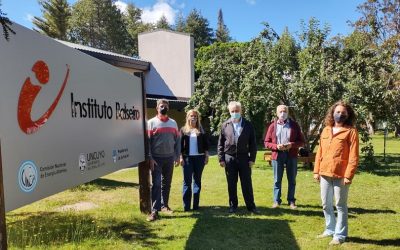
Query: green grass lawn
[{"x": 116, "y": 223}]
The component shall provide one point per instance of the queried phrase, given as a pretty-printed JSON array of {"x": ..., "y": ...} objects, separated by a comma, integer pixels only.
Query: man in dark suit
[{"x": 237, "y": 151}]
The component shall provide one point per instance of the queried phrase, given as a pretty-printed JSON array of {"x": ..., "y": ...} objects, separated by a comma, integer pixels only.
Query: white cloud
[
  {"x": 154, "y": 13},
  {"x": 251, "y": 2},
  {"x": 29, "y": 17},
  {"x": 121, "y": 6}
]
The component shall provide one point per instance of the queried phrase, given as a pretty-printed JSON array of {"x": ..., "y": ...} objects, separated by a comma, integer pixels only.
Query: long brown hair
[
  {"x": 198, "y": 127},
  {"x": 351, "y": 116}
]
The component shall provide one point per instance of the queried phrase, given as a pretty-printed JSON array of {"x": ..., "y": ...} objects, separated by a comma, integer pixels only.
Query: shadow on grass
[
  {"x": 355, "y": 210},
  {"x": 105, "y": 184},
  {"x": 388, "y": 166},
  {"x": 384, "y": 242},
  {"x": 44, "y": 229},
  {"x": 216, "y": 229}
]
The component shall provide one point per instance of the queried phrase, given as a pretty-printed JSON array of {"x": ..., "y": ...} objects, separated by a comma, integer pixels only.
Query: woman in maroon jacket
[{"x": 284, "y": 137}]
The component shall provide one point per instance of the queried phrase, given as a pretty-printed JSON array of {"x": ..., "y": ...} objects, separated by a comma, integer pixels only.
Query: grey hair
[
  {"x": 234, "y": 104},
  {"x": 282, "y": 106}
]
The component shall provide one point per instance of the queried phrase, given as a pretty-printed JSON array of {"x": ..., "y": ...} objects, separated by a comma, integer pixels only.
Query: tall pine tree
[
  {"x": 163, "y": 23},
  {"x": 5, "y": 23},
  {"x": 180, "y": 23},
  {"x": 99, "y": 24},
  {"x": 134, "y": 25},
  {"x": 199, "y": 28},
  {"x": 222, "y": 33},
  {"x": 54, "y": 22}
]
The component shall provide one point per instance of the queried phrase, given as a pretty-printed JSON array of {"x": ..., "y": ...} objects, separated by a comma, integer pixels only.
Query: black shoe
[
  {"x": 232, "y": 210},
  {"x": 254, "y": 211}
]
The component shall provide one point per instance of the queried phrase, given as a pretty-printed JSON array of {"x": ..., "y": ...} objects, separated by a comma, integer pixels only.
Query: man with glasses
[{"x": 164, "y": 150}]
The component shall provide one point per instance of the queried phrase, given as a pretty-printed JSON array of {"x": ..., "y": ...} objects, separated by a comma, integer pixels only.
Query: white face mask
[{"x": 283, "y": 116}]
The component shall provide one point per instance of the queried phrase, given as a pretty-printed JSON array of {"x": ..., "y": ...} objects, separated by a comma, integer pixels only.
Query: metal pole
[
  {"x": 384, "y": 144},
  {"x": 3, "y": 227}
]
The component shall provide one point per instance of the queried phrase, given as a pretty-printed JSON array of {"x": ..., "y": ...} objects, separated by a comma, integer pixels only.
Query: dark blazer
[
  {"x": 246, "y": 144},
  {"x": 202, "y": 142},
  {"x": 296, "y": 139}
]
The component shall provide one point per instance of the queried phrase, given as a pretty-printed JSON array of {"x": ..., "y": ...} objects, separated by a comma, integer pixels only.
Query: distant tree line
[
  {"x": 308, "y": 72},
  {"x": 100, "y": 24}
]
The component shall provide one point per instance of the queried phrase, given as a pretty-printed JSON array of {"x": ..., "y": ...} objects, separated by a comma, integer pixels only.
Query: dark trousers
[
  {"x": 192, "y": 171},
  {"x": 239, "y": 166},
  {"x": 161, "y": 178}
]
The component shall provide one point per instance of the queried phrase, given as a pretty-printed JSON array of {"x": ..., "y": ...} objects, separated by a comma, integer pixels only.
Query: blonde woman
[{"x": 194, "y": 156}]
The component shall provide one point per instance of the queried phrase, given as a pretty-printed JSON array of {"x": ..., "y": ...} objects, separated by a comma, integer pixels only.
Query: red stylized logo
[{"x": 28, "y": 95}]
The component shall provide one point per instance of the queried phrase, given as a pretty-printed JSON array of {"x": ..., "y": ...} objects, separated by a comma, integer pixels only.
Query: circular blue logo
[{"x": 27, "y": 176}]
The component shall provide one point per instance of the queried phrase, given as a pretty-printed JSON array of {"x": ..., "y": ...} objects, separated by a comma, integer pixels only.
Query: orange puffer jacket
[{"x": 337, "y": 155}]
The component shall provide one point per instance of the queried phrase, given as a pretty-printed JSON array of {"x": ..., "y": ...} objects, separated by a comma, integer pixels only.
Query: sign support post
[
  {"x": 144, "y": 167},
  {"x": 3, "y": 229}
]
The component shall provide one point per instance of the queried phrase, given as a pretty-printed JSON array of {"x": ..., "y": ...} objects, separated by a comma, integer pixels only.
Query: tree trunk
[
  {"x": 397, "y": 130},
  {"x": 370, "y": 126}
]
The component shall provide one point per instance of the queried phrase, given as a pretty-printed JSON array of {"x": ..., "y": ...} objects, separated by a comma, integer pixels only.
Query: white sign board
[{"x": 65, "y": 118}]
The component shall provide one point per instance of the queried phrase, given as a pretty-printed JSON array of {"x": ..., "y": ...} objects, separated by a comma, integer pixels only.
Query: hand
[
  {"x": 181, "y": 162},
  {"x": 251, "y": 163},
  {"x": 288, "y": 146},
  {"x": 316, "y": 177},
  {"x": 177, "y": 162},
  {"x": 347, "y": 181},
  {"x": 222, "y": 164},
  {"x": 280, "y": 146},
  {"x": 206, "y": 160},
  {"x": 152, "y": 164}
]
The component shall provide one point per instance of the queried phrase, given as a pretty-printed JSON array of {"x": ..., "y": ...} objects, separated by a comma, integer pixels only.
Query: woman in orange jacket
[{"x": 335, "y": 164}]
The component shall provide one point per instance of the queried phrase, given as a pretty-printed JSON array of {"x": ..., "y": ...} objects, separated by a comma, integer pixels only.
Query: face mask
[
  {"x": 164, "y": 110},
  {"x": 339, "y": 118},
  {"x": 283, "y": 116},
  {"x": 235, "y": 115}
]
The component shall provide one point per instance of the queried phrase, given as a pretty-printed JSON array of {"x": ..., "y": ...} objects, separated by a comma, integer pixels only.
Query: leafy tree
[
  {"x": 220, "y": 81},
  {"x": 134, "y": 25},
  {"x": 381, "y": 19},
  {"x": 54, "y": 23},
  {"x": 99, "y": 24},
  {"x": 318, "y": 83},
  {"x": 198, "y": 27},
  {"x": 6, "y": 24},
  {"x": 222, "y": 33},
  {"x": 163, "y": 23}
]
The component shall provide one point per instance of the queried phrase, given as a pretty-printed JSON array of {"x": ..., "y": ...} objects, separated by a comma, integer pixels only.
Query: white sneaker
[
  {"x": 335, "y": 242},
  {"x": 324, "y": 235}
]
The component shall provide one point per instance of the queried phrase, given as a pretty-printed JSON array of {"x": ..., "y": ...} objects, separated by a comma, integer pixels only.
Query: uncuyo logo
[{"x": 28, "y": 94}]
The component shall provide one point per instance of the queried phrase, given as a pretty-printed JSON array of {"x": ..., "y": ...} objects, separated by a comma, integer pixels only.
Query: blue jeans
[
  {"x": 333, "y": 187},
  {"x": 192, "y": 170},
  {"x": 161, "y": 186},
  {"x": 278, "y": 166}
]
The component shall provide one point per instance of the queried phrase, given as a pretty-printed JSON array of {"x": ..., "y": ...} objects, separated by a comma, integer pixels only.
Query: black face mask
[
  {"x": 339, "y": 118},
  {"x": 164, "y": 110}
]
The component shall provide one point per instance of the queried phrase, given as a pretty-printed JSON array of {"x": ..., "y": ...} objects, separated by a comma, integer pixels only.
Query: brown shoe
[
  {"x": 275, "y": 205},
  {"x": 167, "y": 210},
  {"x": 152, "y": 217},
  {"x": 292, "y": 205}
]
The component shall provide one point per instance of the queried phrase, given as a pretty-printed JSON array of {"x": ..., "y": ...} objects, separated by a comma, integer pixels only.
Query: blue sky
[{"x": 242, "y": 17}]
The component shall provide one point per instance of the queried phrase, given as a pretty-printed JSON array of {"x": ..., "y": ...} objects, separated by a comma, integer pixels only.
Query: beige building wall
[{"x": 172, "y": 63}]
